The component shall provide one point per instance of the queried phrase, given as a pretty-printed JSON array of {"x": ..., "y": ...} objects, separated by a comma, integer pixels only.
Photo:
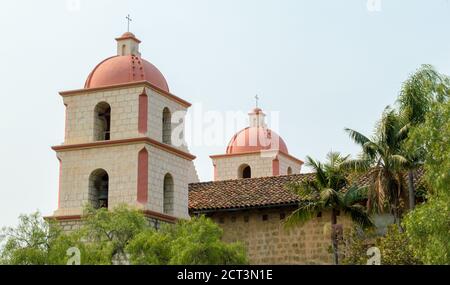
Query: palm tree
[
  {"x": 326, "y": 192},
  {"x": 384, "y": 163},
  {"x": 416, "y": 97}
]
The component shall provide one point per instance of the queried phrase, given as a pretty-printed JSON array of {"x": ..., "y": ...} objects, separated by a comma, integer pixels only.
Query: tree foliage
[
  {"x": 196, "y": 242},
  {"x": 325, "y": 193},
  {"x": 395, "y": 247},
  {"x": 29, "y": 242},
  {"x": 383, "y": 159},
  {"x": 428, "y": 228},
  {"x": 433, "y": 138},
  {"x": 119, "y": 235}
]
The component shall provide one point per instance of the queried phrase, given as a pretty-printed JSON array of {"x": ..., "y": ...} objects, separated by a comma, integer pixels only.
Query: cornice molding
[
  {"x": 157, "y": 144},
  {"x": 146, "y": 83}
]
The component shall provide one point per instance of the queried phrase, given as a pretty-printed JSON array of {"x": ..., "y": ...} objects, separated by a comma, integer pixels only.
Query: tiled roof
[
  {"x": 252, "y": 192},
  {"x": 243, "y": 193}
]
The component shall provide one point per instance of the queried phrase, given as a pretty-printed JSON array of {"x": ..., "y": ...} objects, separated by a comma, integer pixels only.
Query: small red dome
[
  {"x": 125, "y": 69},
  {"x": 128, "y": 35},
  {"x": 253, "y": 139}
]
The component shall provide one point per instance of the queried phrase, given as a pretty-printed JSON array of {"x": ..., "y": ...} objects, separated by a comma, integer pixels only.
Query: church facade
[{"x": 119, "y": 148}]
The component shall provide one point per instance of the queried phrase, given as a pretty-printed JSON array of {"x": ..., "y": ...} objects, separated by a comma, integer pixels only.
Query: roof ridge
[{"x": 251, "y": 179}]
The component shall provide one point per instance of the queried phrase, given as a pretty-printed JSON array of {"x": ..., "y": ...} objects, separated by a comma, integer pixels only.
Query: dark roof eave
[{"x": 243, "y": 208}]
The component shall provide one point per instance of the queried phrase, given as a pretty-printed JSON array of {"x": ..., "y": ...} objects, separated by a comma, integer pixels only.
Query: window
[
  {"x": 168, "y": 197},
  {"x": 245, "y": 171},
  {"x": 124, "y": 49},
  {"x": 289, "y": 170},
  {"x": 99, "y": 188},
  {"x": 167, "y": 126},
  {"x": 102, "y": 122}
]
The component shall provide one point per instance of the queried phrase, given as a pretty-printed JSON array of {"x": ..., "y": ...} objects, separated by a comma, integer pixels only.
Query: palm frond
[
  {"x": 329, "y": 197},
  {"x": 354, "y": 195},
  {"x": 356, "y": 165},
  {"x": 318, "y": 169},
  {"x": 388, "y": 126},
  {"x": 399, "y": 162},
  {"x": 402, "y": 134},
  {"x": 359, "y": 215},
  {"x": 418, "y": 91},
  {"x": 306, "y": 190},
  {"x": 357, "y": 137},
  {"x": 305, "y": 212}
]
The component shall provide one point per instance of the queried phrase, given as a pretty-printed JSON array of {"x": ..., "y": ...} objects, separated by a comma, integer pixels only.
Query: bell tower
[
  {"x": 255, "y": 151},
  {"x": 121, "y": 144}
]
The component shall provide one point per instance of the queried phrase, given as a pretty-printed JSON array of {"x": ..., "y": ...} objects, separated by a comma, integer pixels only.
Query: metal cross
[
  {"x": 257, "y": 99},
  {"x": 129, "y": 20}
]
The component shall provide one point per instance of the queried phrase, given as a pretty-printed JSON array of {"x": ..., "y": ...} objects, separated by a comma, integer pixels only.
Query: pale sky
[{"x": 323, "y": 65}]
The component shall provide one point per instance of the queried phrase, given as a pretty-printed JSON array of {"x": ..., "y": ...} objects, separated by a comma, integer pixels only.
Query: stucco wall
[
  {"x": 227, "y": 167},
  {"x": 120, "y": 162},
  {"x": 124, "y": 104},
  {"x": 286, "y": 162},
  {"x": 80, "y": 114}
]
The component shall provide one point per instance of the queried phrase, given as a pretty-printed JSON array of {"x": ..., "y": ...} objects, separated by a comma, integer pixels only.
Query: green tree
[
  {"x": 428, "y": 228},
  {"x": 428, "y": 225},
  {"x": 118, "y": 235},
  {"x": 395, "y": 247},
  {"x": 416, "y": 99},
  {"x": 383, "y": 160},
  {"x": 433, "y": 137},
  {"x": 150, "y": 248},
  {"x": 29, "y": 242},
  {"x": 112, "y": 230},
  {"x": 193, "y": 242},
  {"x": 325, "y": 193}
]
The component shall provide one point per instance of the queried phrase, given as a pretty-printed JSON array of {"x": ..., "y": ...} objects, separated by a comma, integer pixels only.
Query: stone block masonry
[{"x": 268, "y": 241}]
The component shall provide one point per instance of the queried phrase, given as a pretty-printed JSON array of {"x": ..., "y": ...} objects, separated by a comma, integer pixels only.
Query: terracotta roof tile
[{"x": 252, "y": 192}]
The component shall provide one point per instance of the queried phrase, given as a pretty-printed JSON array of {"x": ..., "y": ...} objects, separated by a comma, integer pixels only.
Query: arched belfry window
[
  {"x": 168, "y": 195},
  {"x": 289, "y": 171},
  {"x": 245, "y": 171},
  {"x": 102, "y": 122},
  {"x": 99, "y": 189},
  {"x": 167, "y": 126}
]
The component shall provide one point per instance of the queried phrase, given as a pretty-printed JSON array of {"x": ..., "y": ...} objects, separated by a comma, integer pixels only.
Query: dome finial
[
  {"x": 128, "y": 21},
  {"x": 256, "y": 99}
]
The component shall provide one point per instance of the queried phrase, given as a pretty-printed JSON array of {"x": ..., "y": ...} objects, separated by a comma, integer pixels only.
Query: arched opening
[
  {"x": 98, "y": 189},
  {"x": 168, "y": 195},
  {"x": 102, "y": 122},
  {"x": 167, "y": 126},
  {"x": 245, "y": 171},
  {"x": 289, "y": 170},
  {"x": 124, "y": 49}
]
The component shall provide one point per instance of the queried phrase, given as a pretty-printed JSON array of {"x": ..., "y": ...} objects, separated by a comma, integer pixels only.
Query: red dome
[
  {"x": 125, "y": 69},
  {"x": 253, "y": 139}
]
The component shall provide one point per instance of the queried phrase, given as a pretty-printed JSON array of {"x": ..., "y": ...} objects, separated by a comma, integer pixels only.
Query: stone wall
[
  {"x": 69, "y": 225},
  {"x": 268, "y": 241}
]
